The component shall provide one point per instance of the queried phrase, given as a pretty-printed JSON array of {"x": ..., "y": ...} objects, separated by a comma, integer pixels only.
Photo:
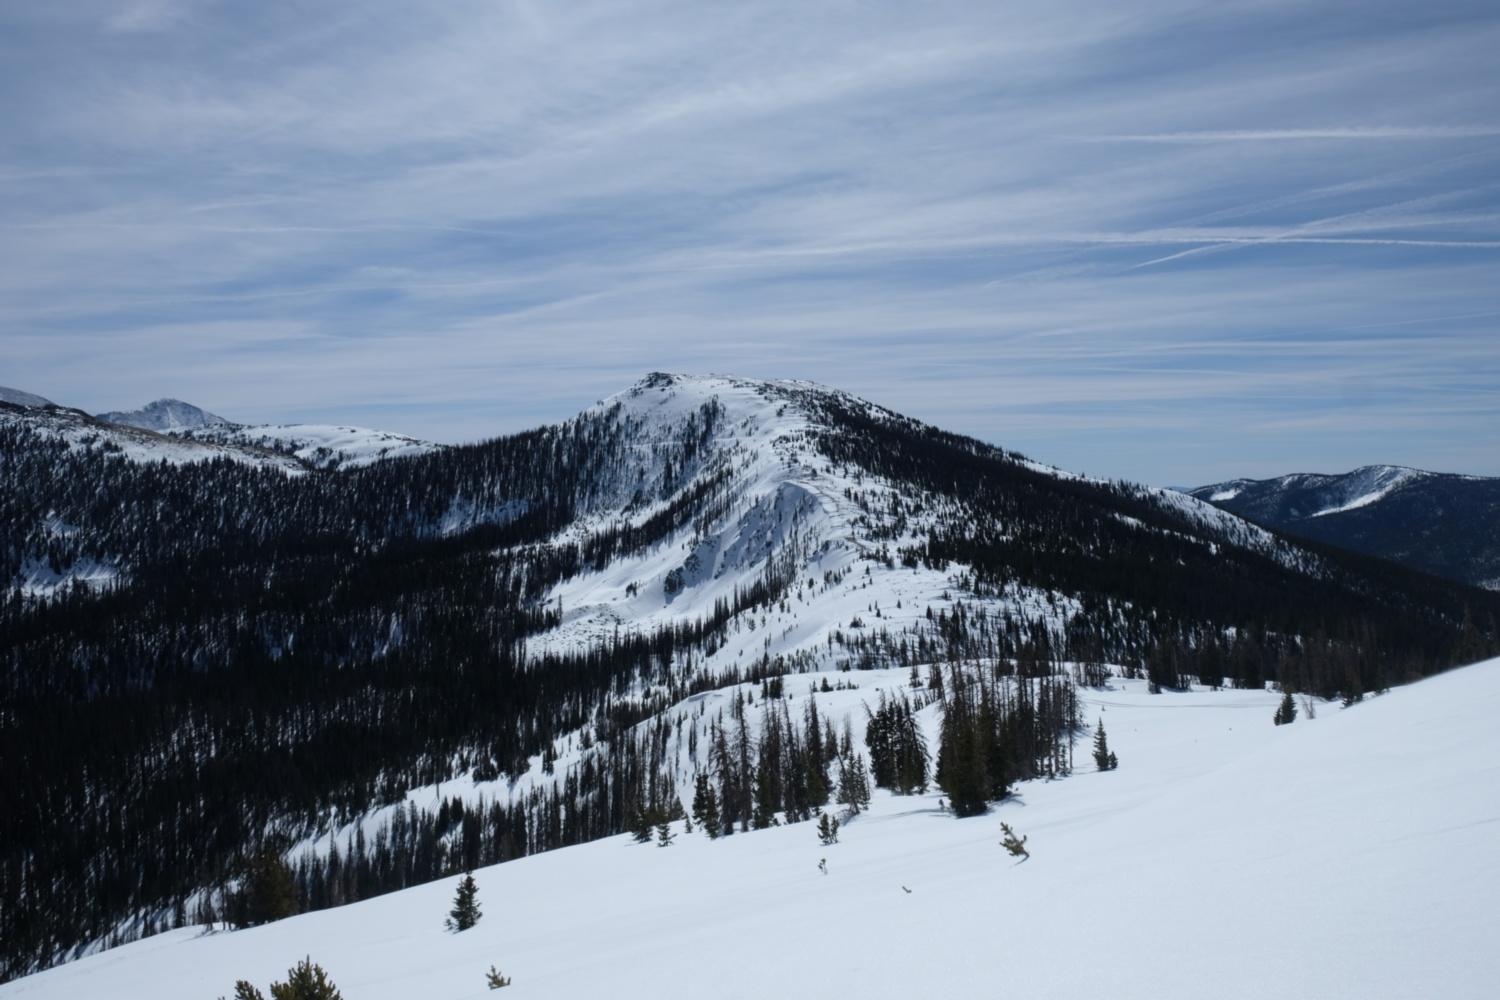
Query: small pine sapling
[
  {"x": 828, "y": 829},
  {"x": 664, "y": 834},
  {"x": 1015, "y": 845},
  {"x": 465, "y": 912},
  {"x": 495, "y": 980}
]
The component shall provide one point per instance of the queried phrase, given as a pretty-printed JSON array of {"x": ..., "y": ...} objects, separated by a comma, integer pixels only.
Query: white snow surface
[
  {"x": 1347, "y": 856},
  {"x": 320, "y": 445},
  {"x": 1368, "y": 485}
]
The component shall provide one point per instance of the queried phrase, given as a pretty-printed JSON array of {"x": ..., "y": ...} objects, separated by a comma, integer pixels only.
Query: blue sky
[{"x": 1173, "y": 242}]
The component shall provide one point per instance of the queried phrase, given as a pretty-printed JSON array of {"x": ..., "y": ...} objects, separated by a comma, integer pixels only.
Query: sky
[{"x": 1163, "y": 240}]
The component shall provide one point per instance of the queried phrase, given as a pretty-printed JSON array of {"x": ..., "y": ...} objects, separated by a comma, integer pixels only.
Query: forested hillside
[{"x": 208, "y": 660}]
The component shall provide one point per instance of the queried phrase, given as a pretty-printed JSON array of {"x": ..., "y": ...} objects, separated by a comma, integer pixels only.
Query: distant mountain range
[{"x": 1440, "y": 523}]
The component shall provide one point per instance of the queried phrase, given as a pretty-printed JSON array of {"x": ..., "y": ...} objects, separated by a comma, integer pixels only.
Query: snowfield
[{"x": 1351, "y": 855}]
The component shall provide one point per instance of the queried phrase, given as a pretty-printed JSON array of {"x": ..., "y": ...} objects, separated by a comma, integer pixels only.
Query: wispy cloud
[
  {"x": 1401, "y": 132},
  {"x": 1135, "y": 239}
]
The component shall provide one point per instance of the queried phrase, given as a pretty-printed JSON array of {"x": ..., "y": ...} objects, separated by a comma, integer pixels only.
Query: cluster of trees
[
  {"x": 899, "y": 758},
  {"x": 999, "y": 727}
]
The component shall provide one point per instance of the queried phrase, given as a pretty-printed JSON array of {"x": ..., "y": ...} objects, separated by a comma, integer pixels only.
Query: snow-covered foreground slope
[{"x": 1348, "y": 856}]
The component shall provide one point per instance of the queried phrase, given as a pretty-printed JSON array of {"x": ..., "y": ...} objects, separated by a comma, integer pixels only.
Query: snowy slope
[
  {"x": 791, "y": 505},
  {"x": 323, "y": 446},
  {"x": 1350, "y": 856}
]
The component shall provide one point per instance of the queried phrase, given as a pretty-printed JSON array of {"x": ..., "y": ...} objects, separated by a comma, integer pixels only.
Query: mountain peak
[{"x": 164, "y": 415}]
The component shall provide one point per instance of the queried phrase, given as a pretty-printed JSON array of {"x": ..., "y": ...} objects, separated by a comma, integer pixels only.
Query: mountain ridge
[{"x": 1441, "y": 523}]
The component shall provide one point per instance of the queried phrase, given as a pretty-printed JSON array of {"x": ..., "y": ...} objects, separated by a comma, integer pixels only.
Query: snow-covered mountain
[
  {"x": 17, "y": 397},
  {"x": 164, "y": 416},
  {"x": 319, "y": 446},
  {"x": 463, "y": 655},
  {"x": 1436, "y": 522},
  {"x": 1350, "y": 854}
]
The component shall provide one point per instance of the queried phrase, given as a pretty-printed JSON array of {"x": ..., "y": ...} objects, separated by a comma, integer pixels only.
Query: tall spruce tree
[
  {"x": 962, "y": 773},
  {"x": 1104, "y": 758}
]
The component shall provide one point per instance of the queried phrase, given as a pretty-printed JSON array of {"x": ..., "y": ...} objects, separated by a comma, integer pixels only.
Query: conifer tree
[
  {"x": 664, "y": 834},
  {"x": 267, "y": 891},
  {"x": 1286, "y": 711},
  {"x": 854, "y": 787},
  {"x": 305, "y": 981},
  {"x": 1104, "y": 758},
  {"x": 495, "y": 980},
  {"x": 640, "y": 824},
  {"x": 706, "y": 807},
  {"x": 962, "y": 768},
  {"x": 465, "y": 912},
  {"x": 828, "y": 829}
]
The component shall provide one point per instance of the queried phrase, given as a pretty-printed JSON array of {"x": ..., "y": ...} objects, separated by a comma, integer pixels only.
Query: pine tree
[
  {"x": 1104, "y": 758},
  {"x": 854, "y": 787},
  {"x": 640, "y": 824},
  {"x": 267, "y": 891},
  {"x": 465, "y": 912},
  {"x": 664, "y": 834},
  {"x": 962, "y": 770},
  {"x": 304, "y": 981},
  {"x": 706, "y": 807},
  {"x": 1286, "y": 711},
  {"x": 828, "y": 829},
  {"x": 495, "y": 979}
]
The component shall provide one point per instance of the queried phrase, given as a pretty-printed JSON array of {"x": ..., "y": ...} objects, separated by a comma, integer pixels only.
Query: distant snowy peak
[
  {"x": 80, "y": 431},
  {"x": 1308, "y": 494},
  {"x": 1436, "y": 522},
  {"x": 17, "y": 397},
  {"x": 164, "y": 416},
  {"x": 322, "y": 446}
]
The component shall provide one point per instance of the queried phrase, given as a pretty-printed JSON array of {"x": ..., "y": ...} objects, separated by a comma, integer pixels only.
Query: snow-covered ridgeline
[{"x": 321, "y": 446}]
